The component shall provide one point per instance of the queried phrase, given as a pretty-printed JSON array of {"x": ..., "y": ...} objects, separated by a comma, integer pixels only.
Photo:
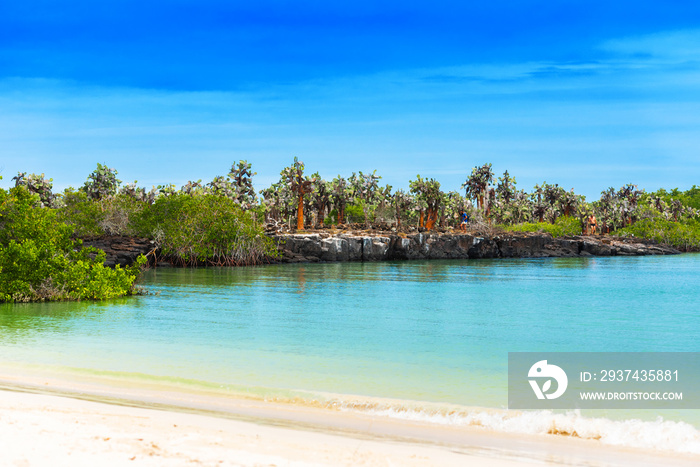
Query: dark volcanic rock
[
  {"x": 362, "y": 246},
  {"x": 521, "y": 246},
  {"x": 121, "y": 250},
  {"x": 596, "y": 248}
]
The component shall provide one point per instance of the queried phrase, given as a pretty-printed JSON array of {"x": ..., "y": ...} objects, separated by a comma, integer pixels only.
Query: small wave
[{"x": 660, "y": 434}]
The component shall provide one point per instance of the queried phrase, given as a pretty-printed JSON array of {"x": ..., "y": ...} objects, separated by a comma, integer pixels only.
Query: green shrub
[
  {"x": 81, "y": 213},
  {"x": 563, "y": 226},
  {"x": 689, "y": 197},
  {"x": 40, "y": 261},
  {"x": 94, "y": 218},
  {"x": 119, "y": 214},
  {"x": 205, "y": 229},
  {"x": 332, "y": 218},
  {"x": 683, "y": 235},
  {"x": 353, "y": 214},
  {"x": 200, "y": 229}
]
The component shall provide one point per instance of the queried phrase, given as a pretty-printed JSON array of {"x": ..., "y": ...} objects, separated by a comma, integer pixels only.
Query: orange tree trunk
[
  {"x": 421, "y": 221},
  {"x": 432, "y": 217},
  {"x": 300, "y": 212}
]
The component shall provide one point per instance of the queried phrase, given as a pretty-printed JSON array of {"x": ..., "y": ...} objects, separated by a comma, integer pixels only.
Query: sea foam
[{"x": 660, "y": 434}]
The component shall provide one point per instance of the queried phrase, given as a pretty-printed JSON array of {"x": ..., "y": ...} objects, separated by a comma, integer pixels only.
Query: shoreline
[
  {"x": 387, "y": 246},
  {"x": 292, "y": 431},
  {"x": 368, "y": 246}
]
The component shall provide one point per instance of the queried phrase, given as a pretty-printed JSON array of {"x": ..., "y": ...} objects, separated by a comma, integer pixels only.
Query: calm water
[{"x": 428, "y": 331}]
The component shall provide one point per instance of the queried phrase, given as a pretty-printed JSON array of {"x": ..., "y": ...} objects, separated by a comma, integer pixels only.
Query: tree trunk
[
  {"x": 300, "y": 212},
  {"x": 432, "y": 217},
  {"x": 421, "y": 222}
]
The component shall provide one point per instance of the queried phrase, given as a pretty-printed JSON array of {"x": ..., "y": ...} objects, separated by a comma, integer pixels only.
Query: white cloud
[{"x": 683, "y": 45}]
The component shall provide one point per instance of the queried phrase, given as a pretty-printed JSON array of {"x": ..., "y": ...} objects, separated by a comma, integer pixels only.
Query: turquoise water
[{"x": 428, "y": 331}]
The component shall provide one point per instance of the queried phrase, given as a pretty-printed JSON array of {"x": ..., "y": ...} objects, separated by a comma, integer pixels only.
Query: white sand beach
[
  {"x": 51, "y": 422},
  {"x": 42, "y": 430}
]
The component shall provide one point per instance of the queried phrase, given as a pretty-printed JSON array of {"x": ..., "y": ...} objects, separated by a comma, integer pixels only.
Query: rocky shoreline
[
  {"x": 316, "y": 247},
  {"x": 364, "y": 246}
]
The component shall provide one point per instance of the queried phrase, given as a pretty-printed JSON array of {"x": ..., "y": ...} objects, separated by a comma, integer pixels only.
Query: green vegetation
[
  {"x": 221, "y": 222},
  {"x": 547, "y": 208},
  {"x": 84, "y": 215},
  {"x": 683, "y": 235},
  {"x": 206, "y": 229},
  {"x": 354, "y": 214},
  {"x": 430, "y": 199},
  {"x": 188, "y": 230},
  {"x": 102, "y": 183},
  {"x": 562, "y": 227},
  {"x": 214, "y": 224},
  {"x": 40, "y": 261},
  {"x": 690, "y": 198}
]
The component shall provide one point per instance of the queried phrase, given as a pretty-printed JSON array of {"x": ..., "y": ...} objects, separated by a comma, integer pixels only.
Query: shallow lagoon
[{"x": 428, "y": 331}]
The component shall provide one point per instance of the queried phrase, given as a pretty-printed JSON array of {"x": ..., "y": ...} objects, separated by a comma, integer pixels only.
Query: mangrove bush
[
  {"x": 39, "y": 260},
  {"x": 205, "y": 229}
]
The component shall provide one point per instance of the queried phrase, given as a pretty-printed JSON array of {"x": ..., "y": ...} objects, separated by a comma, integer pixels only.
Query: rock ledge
[{"x": 315, "y": 247}]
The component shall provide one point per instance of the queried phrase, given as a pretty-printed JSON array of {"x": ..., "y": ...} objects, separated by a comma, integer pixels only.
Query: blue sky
[{"x": 584, "y": 94}]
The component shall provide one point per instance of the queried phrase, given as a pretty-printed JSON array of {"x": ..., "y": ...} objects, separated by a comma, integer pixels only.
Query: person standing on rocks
[
  {"x": 465, "y": 220},
  {"x": 592, "y": 223}
]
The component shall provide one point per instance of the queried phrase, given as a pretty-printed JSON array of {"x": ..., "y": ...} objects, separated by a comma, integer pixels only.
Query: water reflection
[{"x": 22, "y": 319}]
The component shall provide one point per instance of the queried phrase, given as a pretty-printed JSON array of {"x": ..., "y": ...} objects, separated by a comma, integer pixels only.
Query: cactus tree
[
  {"x": 477, "y": 184},
  {"x": 294, "y": 177},
  {"x": 241, "y": 177},
  {"x": 38, "y": 185},
  {"x": 101, "y": 183},
  {"x": 340, "y": 193},
  {"x": 429, "y": 192}
]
